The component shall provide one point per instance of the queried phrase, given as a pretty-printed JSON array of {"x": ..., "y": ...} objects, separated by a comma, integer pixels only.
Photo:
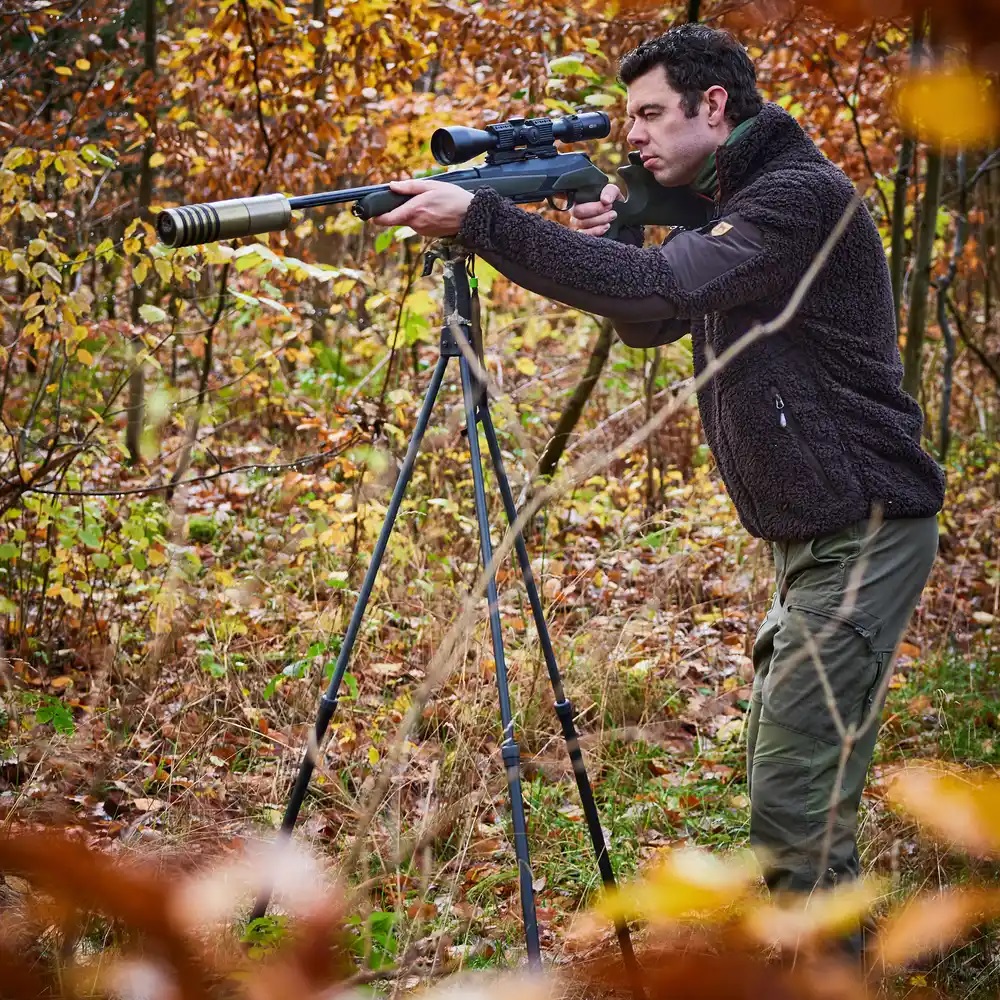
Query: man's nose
[{"x": 636, "y": 135}]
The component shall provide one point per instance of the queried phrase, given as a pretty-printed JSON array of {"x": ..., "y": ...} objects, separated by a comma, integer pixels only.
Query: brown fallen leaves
[
  {"x": 709, "y": 931},
  {"x": 171, "y": 932}
]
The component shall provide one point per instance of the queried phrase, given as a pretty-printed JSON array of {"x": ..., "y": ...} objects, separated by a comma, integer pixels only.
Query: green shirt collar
[{"x": 707, "y": 181}]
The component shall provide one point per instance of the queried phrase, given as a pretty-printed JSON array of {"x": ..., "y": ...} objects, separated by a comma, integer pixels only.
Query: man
[{"x": 816, "y": 442}]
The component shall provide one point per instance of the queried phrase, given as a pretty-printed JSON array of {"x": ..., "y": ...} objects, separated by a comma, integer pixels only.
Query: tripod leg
[
  {"x": 563, "y": 707},
  {"x": 328, "y": 703},
  {"x": 509, "y": 748}
]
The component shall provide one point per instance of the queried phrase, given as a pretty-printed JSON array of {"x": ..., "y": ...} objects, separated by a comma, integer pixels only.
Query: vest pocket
[{"x": 788, "y": 423}]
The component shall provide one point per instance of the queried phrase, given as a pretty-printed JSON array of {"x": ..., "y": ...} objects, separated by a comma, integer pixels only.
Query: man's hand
[
  {"x": 595, "y": 217},
  {"x": 437, "y": 208}
]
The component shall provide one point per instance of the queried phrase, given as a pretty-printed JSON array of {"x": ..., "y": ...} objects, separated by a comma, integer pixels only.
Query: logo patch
[{"x": 721, "y": 229}]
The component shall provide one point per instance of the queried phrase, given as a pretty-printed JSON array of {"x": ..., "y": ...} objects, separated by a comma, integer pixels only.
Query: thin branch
[
  {"x": 208, "y": 477},
  {"x": 441, "y": 662},
  {"x": 944, "y": 283},
  {"x": 992, "y": 162},
  {"x": 985, "y": 360},
  {"x": 850, "y": 105},
  {"x": 259, "y": 97}
]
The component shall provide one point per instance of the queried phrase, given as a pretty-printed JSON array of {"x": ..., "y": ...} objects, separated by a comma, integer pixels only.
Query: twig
[
  {"x": 987, "y": 362},
  {"x": 259, "y": 97},
  {"x": 845, "y": 98},
  {"x": 208, "y": 477},
  {"x": 944, "y": 283},
  {"x": 441, "y": 662},
  {"x": 184, "y": 462}
]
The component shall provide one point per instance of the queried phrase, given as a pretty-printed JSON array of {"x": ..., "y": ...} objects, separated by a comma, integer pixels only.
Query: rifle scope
[{"x": 458, "y": 143}]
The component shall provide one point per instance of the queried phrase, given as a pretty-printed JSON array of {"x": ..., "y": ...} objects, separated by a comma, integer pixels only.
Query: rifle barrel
[
  {"x": 190, "y": 225},
  {"x": 335, "y": 197}
]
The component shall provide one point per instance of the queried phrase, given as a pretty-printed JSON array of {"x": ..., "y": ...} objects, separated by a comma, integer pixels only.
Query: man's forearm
[{"x": 597, "y": 275}]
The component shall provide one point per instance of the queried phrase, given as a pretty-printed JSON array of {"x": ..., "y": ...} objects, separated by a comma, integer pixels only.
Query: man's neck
[{"x": 707, "y": 182}]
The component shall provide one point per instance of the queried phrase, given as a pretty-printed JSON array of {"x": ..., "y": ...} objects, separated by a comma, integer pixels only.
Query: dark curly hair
[{"x": 695, "y": 58}]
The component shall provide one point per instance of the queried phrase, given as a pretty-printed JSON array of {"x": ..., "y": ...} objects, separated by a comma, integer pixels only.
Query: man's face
[{"x": 673, "y": 146}]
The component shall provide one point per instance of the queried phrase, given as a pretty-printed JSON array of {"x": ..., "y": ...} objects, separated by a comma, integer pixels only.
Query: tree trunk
[
  {"x": 897, "y": 252},
  {"x": 943, "y": 288},
  {"x": 574, "y": 409},
  {"x": 136, "y": 410},
  {"x": 907, "y": 150},
  {"x": 920, "y": 287}
]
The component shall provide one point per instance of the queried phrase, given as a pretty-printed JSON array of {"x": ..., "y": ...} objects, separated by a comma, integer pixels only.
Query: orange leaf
[
  {"x": 933, "y": 922},
  {"x": 962, "y": 807},
  {"x": 950, "y": 110}
]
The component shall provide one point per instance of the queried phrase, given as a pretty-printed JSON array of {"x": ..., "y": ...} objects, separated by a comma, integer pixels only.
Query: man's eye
[{"x": 652, "y": 118}]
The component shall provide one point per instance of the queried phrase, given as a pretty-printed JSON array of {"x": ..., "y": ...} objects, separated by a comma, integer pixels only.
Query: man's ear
[{"x": 716, "y": 99}]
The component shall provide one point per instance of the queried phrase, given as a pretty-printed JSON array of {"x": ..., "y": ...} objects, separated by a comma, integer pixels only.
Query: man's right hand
[{"x": 595, "y": 217}]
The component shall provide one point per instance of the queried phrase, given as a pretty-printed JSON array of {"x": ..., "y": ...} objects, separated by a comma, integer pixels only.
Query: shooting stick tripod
[{"x": 458, "y": 323}]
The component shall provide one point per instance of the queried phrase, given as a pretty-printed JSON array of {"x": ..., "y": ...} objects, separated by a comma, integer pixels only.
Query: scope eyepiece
[{"x": 459, "y": 143}]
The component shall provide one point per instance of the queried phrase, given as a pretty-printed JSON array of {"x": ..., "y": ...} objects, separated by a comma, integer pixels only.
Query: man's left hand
[{"x": 437, "y": 208}]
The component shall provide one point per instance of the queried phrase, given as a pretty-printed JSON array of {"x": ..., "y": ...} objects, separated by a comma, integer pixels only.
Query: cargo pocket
[{"x": 848, "y": 669}]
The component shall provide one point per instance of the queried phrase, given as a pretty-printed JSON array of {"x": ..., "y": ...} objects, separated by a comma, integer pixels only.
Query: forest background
[{"x": 198, "y": 447}]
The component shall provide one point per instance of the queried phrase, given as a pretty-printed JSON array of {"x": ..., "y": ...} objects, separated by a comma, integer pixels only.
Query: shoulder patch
[{"x": 720, "y": 229}]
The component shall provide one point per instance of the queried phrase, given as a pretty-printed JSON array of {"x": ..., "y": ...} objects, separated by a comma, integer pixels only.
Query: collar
[
  {"x": 707, "y": 183},
  {"x": 775, "y": 134}
]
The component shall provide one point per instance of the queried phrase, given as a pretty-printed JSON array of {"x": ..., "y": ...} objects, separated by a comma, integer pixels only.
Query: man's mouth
[{"x": 647, "y": 160}]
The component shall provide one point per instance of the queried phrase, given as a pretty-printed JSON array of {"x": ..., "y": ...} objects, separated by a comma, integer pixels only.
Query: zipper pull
[{"x": 779, "y": 405}]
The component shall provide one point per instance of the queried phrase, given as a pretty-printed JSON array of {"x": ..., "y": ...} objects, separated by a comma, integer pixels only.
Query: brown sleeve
[
  {"x": 734, "y": 261},
  {"x": 645, "y": 322},
  {"x": 587, "y": 272}
]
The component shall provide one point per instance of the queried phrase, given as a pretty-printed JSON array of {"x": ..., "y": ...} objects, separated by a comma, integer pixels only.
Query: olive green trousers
[{"x": 822, "y": 659}]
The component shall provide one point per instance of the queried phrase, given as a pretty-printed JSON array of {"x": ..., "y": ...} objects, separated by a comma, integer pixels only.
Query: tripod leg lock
[
  {"x": 511, "y": 754},
  {"x": 564, "y": 710}
]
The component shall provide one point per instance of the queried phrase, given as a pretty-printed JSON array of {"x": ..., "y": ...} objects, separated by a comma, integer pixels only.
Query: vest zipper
[{"x": 786, "y": 421}]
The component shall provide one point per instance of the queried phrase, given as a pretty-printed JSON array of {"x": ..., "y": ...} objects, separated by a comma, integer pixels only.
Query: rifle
[{"x": 522, "y": 164}]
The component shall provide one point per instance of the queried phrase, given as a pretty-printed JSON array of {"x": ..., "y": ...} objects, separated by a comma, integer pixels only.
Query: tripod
[{"x": 459, "y": 323}]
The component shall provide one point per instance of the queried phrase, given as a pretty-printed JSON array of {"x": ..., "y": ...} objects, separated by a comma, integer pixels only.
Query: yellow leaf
[
  {"x": 140, "y": 271},
  {"x": 71, "y": 597},
  {"x": 689, "y": 884},
  {"x": 962, "y": 807},
  {"x": 526, "y": 366},
  {"x": 157, "y": 160},
  {"x": 155, "y": 557},
  {"x": 83, "y": 64},
  {"x": 819, "y": 916},
  {"x": 64, "y": 71},
  {"x": 373, "y": 757},
  {"x": 84, "y": 356},
  {"x": 950, "y": 109},
  {"x": 163, "y": 268},
  {"x": 932, "y": 922}
]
